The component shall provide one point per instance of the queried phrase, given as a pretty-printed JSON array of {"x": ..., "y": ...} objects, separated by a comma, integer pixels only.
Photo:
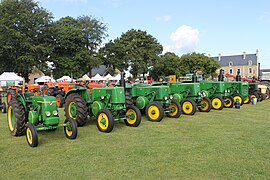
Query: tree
[
  {"x": 135, "y": 48},
  {"x": 76, "y": 45},
  {"x": 199, "y": 62},
  {"x": 24, "y": 36}
]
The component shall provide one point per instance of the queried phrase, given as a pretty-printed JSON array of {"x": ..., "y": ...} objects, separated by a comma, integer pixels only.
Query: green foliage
[
  {"x": 76, "y": 44},
  {"x": 199, "y": 62},
  {"x": 135, "y": 48},
  {"x": 24, "y": 36}
]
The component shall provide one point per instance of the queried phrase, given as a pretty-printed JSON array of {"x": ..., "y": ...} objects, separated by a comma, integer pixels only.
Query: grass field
[{"x": 228, "y": 144}]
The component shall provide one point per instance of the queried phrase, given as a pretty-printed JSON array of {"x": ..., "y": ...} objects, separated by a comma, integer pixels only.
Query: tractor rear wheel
[
  {"x": 129, "y": 100},
  {"x": 175, "y": 109},
  {"x": 4, "y": 107},
  {"x": 189, "y": 107},
  {"x": 260, "y": 98},
  {"x": 267, "y": 94},
  {"x": 75, "y": 108},
  {"x": 247, "y": 99},
  {"x": 105, "y": 121},
  {"x": 228, "y": 102},
  {"x": 134, "y": 116},
  {"x": 10, "y": 94},
  {"x": 71, "y": 130},
  {"x": 154, "y": 112},
  {"x": 205, "y": 105},
  {"x": 217, "y": 103},
  {"x": 16, "y": 117},
  {"x": 31, "y": 135},
  {"x": 60, "y": 101},
  {"x": 239, "y": 97}
]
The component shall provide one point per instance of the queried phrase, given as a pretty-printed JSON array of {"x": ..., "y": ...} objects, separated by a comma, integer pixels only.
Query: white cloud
[
  {"x": 167, "y": 48},
  {"x": 164, "y": 18},
  {"x": 185, "y": 38}
]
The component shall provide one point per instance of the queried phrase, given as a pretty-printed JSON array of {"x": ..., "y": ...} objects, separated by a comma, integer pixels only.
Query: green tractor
[
  {"x": 191, "y": 97},
  {"x": 105, "y": 104},
  {"x": 254, "y": 92},
  {"x": 155, "y": 99},
  {"x": 28, "y": 113}
]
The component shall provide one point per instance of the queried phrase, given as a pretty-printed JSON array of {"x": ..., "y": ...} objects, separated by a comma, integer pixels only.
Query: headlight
[
  {"x": 165, "y": 98},
  {"x": 171, "y": 96},
  {"x": 199, "y": 93},
  {"x": 229, "y": 91},
  {"x": 55, "y": 113},
  {"x": 203, "y": 94},
  {"x": 102, "y": 97},
  {"x": 225, "y": 91},
  {"x": 48, "y": 113}
]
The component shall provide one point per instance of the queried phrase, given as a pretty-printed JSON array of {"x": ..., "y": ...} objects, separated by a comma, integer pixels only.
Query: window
[
  {"x": 249, "y": 62},
  {"x": 231, "y": 71},
  {"x": 250, "y": 70},
  {"x": 230, "y": 63}
]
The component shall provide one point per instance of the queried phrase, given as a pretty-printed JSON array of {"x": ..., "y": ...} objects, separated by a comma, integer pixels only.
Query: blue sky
[{"x": 229, "y": 27}]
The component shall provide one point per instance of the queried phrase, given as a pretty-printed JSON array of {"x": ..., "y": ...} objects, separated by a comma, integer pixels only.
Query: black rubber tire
[
  {"x": 263, "y": 97},
  {"x": 241, "y": 98},
  {"x": 81, "y": 111},
  {"x": 10, "y": 95},
  {"x": 260, "y": 98},
  {"x": 50, "y": 92},
  {"x": 129, "y": 100},
  {"x": 16, "y": 108},
  {"x": 184, "y": 108},
  {"x": 71, "y": 133},
  {"x": 215, "y": 106},
  {"x": 230, "y": 100},
  {"x": 160, "y": 110},
  {"x": 4, "y": 107},
  {"x": 105, "y": 113},
  {"x": 138, "y": 116},
  {"x": 208, "y": 103},
  {"x": 177, "y": 107},
  {"x": 31, "y": 135},
  {"x": 60, "y": 100}
]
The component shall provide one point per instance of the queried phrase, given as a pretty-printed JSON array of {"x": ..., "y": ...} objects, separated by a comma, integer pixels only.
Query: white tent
[
  {"x": 117, "y": 77},
  {"x": 108, "y": 77},
  {"x": 86, "y": 78},
  {"x": 64, "y": 79},
  {"x": 8, "y": 78},
  {"x": 97, "y": 77},
  {"x": 44, "y": 79}
]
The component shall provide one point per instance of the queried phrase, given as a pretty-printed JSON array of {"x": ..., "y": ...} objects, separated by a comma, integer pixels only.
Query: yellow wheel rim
[
  {"x": 187, "y": 107},
  {"x": 216, "y": 103},
  {"x": 229, "y": 102},
  {"x": 131, "y": 113},
  {"x": 246, "y": 100},
  {"x": 205, "y": 103},
  {"x": 11, "y": 118},
  {"x": 175, "y": 108},
  {"x": 239, "y": 99},
  {"x": 68, "y": 130},
  {"x": 103, "y": 121},
  {"x": 252, "y": 96},
  {"x": 29, "y": 136},
  {"x": 153, "y": 112},
  {"x": 72, "y": 110}
]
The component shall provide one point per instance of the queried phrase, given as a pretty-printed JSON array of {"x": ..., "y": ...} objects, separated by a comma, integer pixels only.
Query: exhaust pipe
[
  {"x": 122, "y": 80},
  {"x": 194, "y": 77},
  {"x": 238, "y": 76}
]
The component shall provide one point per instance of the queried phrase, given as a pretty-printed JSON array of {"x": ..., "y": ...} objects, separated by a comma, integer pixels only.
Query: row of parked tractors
[{"x": 34, "y": 109}]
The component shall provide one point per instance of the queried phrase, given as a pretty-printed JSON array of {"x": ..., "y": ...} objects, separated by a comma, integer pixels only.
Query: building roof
[
  {"x": 100, "y": 70},
  {"x": 237, "y": 60}
]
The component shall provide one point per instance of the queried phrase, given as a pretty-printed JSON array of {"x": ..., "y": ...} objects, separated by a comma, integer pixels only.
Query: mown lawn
[{"x": 227, "y": 144}]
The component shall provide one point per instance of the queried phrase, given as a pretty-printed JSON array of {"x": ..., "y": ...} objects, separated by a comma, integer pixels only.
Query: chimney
[
  {"x": 219, "y": 56},
  {"x": 244, "y": 55},
  {"x": 257, "y": 52}
]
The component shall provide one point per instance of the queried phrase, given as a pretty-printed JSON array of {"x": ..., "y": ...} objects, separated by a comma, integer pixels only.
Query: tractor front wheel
[
  {"x": 205, "y": 105},
  {"x": 228, "y": 102},
  {"x": 175, "y": 109},
  {"x": 247, "y": 100},
  {"x": 133, "y": 116},
  {"x": 189, "y": 107},
  {"x": 71, "y": 129},
  {"x": 217, "y": 103},
  {"x": 154, "y": 112},
  {"x": 75, "y": 108},
  {"x": 105, "y": 121},
  {"x": 16, "y": 117},
  {"x": 31, "y": 135},
  {"x": 238, "y": 97}
]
